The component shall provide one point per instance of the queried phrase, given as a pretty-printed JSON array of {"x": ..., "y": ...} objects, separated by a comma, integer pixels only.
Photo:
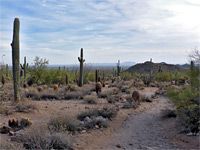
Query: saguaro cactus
[
  {"x": 24, "y": 68},
  {"x": 96, "y": 75},
  {"x": 118, "y": 68},
  {"x": 2, "y": 80},
  {"x": 15, "y": 59},
  {"x": 67, "y": 81},
  {"x": 6, "y": 70},
  {"x": 81, "y": 60}
]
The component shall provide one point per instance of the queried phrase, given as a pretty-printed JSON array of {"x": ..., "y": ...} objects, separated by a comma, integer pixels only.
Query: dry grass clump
[
  {"x": 105, "y": 112},
  {"x": 25, "y": 106},
  {"x": 113, "y": 98},
  {"x": 25, "y": 122},
  {"x": 130, "y": 103},
  {"x": 108, "y": 112},
  {"x": 97, "y": 122},
  {"x": 5, "y": 109},
  {"x": 90, "y": 99},
  {"x": 70, "y": 88},
  {"x": 5, "y": 145},
  {"x": 48, "y": 96},
  {"x": 103, "y": 95},
  {"x": 63, "y": 123},
  {"x": 90, "y": 113},
  {"x": 72, "y": 95},
  {"x": 42, "y": 138}
]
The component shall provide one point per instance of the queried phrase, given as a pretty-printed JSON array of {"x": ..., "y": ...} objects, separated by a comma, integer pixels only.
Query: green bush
[
  {"x": 187, "y": 104},
  {"x": 126, "y": 76}
]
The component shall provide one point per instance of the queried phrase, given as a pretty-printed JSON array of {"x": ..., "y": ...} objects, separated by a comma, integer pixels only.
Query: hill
[{"x": 145, "y": 68}]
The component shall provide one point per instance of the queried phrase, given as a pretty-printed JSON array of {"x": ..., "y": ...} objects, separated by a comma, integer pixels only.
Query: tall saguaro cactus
[
  {"x": 15, "y": 59},
  {"x": 7, "y": 70},
  {"x": 81, "y": 60},
  {"x": 96, "y": 75},
  {"x": 118, "y": 68}
]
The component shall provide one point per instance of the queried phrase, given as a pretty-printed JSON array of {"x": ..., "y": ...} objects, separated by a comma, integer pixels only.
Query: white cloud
[{"x": 113, "y": 28}]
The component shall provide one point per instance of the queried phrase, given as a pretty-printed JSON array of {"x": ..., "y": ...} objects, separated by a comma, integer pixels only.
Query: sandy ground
[{"x": 141, "y": 128}]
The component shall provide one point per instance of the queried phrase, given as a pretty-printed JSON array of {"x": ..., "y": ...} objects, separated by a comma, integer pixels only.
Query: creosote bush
[
  {"x": 42, "y": 138},
  {"x": 25, "y": 106},
  {"x": 90, "y": 99},
  {"x": 104, "y": 112},
  {"x": 187, "y": 104},
  {"x": 64, "y": 123}
]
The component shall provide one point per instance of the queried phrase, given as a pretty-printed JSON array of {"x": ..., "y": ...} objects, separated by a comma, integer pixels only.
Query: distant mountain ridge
[
  {"x": 123, "y": 64},
  {"x": 145, "y": 68}
]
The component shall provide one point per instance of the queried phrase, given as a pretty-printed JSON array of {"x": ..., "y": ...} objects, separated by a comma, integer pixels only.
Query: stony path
[{"x": 145, "y": 130}]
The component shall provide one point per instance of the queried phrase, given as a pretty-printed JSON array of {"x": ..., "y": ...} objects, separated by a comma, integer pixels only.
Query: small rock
[
  {"x": 87, "y": 107},
  {"x": 118, "y": 146},
  {"x": 83, "y": 131},
  {"x": 87, "y": 119},
  {"x": 11, "y": 133},
  {"x": 130, "y": 144}
]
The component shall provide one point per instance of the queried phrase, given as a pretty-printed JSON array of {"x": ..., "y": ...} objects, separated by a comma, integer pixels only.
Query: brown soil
[{"x": 141, "y": 128}]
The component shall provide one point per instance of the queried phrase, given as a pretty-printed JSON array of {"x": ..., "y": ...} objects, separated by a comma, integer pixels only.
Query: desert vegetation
[{"x": 61, "y": 105}]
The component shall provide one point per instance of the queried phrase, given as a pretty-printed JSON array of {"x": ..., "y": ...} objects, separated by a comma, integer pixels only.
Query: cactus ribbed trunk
[
  {"x": 25, "y": 69},
  {"x": 67, "y": 81},
  {"x": 118, "y": 68},
  {"x": 81, "y": 60},
  {"x": 15, "y": 59},
  {"x": 96, "y": 76},
  {"x": 7, "y": 70}
]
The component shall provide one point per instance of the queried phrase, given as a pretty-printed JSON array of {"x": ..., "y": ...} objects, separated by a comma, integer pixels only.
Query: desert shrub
[
  {"x": 38, "y": 70},
  {"x": 42, "y": 138},
  {"x": 169, "y": 113},
  {"x": 105, "y": 112},
  {"x": 103, "y": 95},
  {"x": 126, "y": 76},
  {"x": 25, "y": 106},
  {"x": 98, "y": 121},
  {"x": 5, "y": 145},
  {"x": 47, "y": 96},
  {"x": 113, "y": 98},
  {"x": 72, "y": 95},
  {"x": 164, "y": 76},
  {"x": 90, "y": 99},
  {"x": 187, "y": 104},
  {"x": 64, "y": 123},
  {"x": 70, "y": 87},
  {"x": 91, "y": 76},
  {"x": 108, "y": 112},
  {"x": 4, "y": 109},
  {"x": 90, "y": 113},
  {"x": 25, "y": 122},
  {"x": 31, "y": 95}
]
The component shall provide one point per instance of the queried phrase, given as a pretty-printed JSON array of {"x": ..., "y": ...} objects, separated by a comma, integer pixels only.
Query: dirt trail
[{"x": 143, "y": 130}]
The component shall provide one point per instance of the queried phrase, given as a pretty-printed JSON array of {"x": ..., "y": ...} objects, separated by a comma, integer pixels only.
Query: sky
[{"x": 107, "y": 30}]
